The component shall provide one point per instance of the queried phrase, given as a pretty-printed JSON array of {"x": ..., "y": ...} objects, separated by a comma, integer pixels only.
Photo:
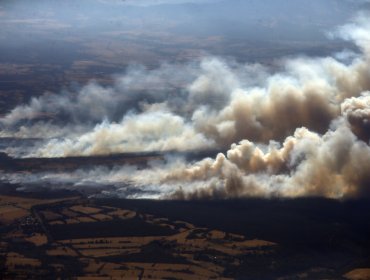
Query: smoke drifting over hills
[{"x": 302, "y": 130}]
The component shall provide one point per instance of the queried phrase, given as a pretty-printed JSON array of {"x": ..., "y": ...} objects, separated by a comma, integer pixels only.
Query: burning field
[
  {"x": 300, "y": 129},
  {"x": 182, "y": 139}
]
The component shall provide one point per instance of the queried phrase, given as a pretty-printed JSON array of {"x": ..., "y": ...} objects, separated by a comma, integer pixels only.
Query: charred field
[{"x": 64, "y": 234}]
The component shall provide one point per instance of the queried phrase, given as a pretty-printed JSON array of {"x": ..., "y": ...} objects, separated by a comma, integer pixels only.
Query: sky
[{"x": 280, "y": 89}]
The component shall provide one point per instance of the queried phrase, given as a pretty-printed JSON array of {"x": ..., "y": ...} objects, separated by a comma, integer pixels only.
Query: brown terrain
[{"x": 73, "y": 237}]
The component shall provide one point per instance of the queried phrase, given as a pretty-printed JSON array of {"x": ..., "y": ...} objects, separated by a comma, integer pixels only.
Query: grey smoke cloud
[
  {"x": 144, "y": 110},
  {"x": 302, "y": 130},
  {"x": 93, "y": 102},
  {"x": 332, "y": 165}
]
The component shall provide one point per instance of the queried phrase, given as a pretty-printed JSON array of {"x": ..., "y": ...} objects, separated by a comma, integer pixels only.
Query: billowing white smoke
[
  {"x": 48, "y": 116},
  {"x": 149, "y": 131},
  {"x": 333, "y": 165},
  {"x": 302, "y": 131},
  {"x": 217, "y": 111},
  {"x": 145, "y": 110}
]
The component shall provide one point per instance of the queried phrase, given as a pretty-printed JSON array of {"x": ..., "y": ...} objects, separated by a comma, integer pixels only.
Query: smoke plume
[{"x": 301, "y": 129}]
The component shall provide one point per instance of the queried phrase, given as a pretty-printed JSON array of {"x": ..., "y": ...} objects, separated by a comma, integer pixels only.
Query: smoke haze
[{"x": 297, "y": 128}]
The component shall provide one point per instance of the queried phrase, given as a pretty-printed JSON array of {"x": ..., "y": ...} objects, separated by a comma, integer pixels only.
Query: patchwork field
[
  {"x": 79, "y": 238},
  {"x": 103, "y": 242}
]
